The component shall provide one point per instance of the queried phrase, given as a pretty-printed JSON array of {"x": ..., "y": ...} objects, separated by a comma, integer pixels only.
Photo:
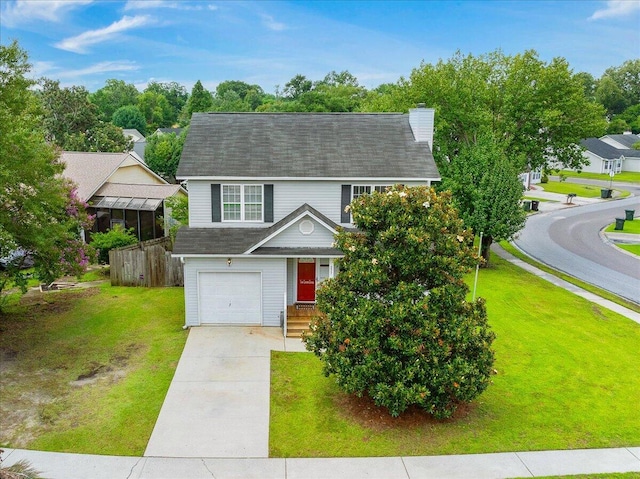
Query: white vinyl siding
[
  {"x": 273, "y": 283},
  {"x": 292, "y": 237},
  {"x": 324, "y": 196}
]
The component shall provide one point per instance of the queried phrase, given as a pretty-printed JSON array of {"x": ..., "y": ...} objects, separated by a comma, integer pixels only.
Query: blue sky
[{"x": 86, "y": 42}]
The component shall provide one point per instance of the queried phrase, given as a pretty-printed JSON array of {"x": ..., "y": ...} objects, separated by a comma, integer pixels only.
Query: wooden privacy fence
[{"x": 146, "y": 264}]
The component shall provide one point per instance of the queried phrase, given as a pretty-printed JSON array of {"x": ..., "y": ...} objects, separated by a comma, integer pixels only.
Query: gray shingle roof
[
  {"x": 311, "y": 145},
  {"x": 606, "y": 151},
  {"x": 626, "y": 140},
  {"x": 238, "y": 240}
]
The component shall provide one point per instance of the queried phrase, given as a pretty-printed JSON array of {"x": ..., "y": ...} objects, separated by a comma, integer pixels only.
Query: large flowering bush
[
  {"x": 395, "y": 323},
  {"x": 68, "y": 254}
]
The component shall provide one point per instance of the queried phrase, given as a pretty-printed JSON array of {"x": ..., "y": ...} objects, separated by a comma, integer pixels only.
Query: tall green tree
[
  {"x": 199, "y": 100},
  {"x": 162, "y": 153},
  {"x": 67, "y": 111},
  {"x": 626, "y": 92},
  {"x": 540, "y": 109},
  {"x": 487, "y": 191},
  {"x": 130, "y": 116},
  {"x": 156, "y": 110},
  {"x": 40, "y": 213},
  {"x": 396, "y": 323},
  {"x": 71, "y": 121},
  {"x": 175, "y": 94},
  {"x": 113, "y": 95}
]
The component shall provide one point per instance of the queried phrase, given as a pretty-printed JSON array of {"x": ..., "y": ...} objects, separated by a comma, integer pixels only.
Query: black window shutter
[
  {"x": 216, "y": 210},
  {"x": 268, "y": 203},
  {"x": 345, "y": 217}
]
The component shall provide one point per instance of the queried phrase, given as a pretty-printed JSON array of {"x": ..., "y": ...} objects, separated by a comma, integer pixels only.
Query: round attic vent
[{"x": 306, "y": 227}]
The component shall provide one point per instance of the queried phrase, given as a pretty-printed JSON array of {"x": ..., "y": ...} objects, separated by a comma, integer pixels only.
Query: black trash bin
[
  {"x": 534, "y": 205},
  {"x": 619, "y": 224},
  {"x": 628, "y": 214},
  {"x": 605, "y": 193},
  {"x": 526, "y": 205}
]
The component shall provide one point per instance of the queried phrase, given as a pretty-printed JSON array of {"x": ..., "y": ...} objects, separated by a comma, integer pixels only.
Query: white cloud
[
  {"x": 616, "y": 8},
  {"x": 154, "y": 4},
  {"x": 79, "y": 43},
  {"x": 269, "y": 22},
  {"x": 25, "y": 11},
  {"x": 102, "y": 67}
]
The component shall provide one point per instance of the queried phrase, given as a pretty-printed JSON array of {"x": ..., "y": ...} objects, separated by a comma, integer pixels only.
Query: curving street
[{"x": 569, "y": 240}]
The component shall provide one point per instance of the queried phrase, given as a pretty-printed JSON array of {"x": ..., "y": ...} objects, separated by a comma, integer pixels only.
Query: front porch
[
  {"x": 298, "y": 318},
  {"x": 304, "y": 275}
]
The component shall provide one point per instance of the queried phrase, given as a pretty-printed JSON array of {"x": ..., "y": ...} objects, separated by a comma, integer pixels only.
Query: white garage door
[{"x": 230, "y": 298}]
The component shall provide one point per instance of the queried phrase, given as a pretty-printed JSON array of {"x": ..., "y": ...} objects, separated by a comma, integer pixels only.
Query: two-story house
[{"x": 267, "y": 192}]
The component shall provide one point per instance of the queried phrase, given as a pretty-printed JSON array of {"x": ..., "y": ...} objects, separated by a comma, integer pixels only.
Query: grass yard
[
  {"x": 567, "y": 378},
  {"x": 631, "y": 248},
  {"x": 87, "y": 371},
  {"x": 586, "y": 286},
  {"x": 621, "y": 475},
  {"x": 585, "y": 191},
  {"x": 625, "y": 176},
  {"x": 631, "y": 227}
]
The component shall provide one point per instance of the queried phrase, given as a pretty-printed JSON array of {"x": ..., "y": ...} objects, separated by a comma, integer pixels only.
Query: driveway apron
[{"x": 218, "y": 402}]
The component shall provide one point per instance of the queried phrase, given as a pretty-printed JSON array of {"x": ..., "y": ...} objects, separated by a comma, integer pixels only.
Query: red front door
[{"x": 307, "y": 281}]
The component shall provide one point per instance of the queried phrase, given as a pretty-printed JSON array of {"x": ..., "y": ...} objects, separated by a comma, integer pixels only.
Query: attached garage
[{"x": 230, "y": 298}]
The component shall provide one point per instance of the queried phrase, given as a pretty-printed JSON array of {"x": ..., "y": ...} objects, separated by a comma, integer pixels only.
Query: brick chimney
[{"x": 421, "y": 121}]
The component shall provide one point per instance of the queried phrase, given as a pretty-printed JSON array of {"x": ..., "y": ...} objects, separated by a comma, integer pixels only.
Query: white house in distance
[
  {"x": 139, "y": 141},
  {"x": 611, "y": 153},
  {"x": 120, "y": 189},
  {"x": 267, "y": 192}
]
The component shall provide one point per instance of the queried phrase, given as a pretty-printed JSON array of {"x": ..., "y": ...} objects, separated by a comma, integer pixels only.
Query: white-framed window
[
  {"x": 242, "y": 203},
  {"x": 359, "y": 190}
]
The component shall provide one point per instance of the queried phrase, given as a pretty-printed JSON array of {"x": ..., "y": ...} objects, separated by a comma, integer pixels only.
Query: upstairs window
[
  {"x": 242, "y": 203},
  {"x": 359, "y": 190}
]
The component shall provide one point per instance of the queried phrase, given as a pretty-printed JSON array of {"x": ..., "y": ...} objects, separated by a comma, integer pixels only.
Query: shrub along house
[
  {"x": 268, "y": 191},
  {"x": 120, "y": 190}
]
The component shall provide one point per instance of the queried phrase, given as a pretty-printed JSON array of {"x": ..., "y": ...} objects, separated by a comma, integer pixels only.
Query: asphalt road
[{"x": 569, "y": 241}]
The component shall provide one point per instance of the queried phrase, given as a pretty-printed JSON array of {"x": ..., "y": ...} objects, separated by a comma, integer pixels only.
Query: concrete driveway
[{"x": 218, "y": 403}]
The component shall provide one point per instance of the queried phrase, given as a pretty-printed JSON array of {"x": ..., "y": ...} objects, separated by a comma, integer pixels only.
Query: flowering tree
[
  {"x": 395, "y": 323},
  {"x": 41, "y": 215}
]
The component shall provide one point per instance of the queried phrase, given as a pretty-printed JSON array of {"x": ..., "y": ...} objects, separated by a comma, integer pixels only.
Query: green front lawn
[
  {"x": 87, "y": 371},
  {"x": 631, "y": 248},
  {"x": 586, "y": 286},
  {"x": 622, "y": 475},
  {"x": 567, "y": 378},
  {"x": 630, "y": 226},
  {"x": 585, "y": 191},
  {"x": 625, "y": 176}
]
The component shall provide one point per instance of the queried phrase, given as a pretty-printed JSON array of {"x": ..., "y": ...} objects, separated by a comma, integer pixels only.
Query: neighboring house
[
  {"x": 604, "y": 157},
  {"x": 139, "y": 141},
  {"x": 267, "y": 193},
  {"x": 530, "y": 178},
  {"x": 624, "y": 141},
  {"x": 120, "y": 189},
  {"x": 167, "y": 131}
]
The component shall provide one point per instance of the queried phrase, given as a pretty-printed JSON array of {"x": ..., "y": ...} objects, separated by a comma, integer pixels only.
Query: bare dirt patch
[{"x": 365, "y": 413}]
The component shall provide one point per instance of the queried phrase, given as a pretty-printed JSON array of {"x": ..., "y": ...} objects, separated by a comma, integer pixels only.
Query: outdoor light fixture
[{"x": 228, "y": 261}]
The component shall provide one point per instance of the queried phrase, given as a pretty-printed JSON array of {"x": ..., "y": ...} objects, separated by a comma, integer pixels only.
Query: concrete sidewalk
[
  {"x": 218, "y": 401},
  {"x": 556, "y": 201},
  {"x": 55, "y": 465}
]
